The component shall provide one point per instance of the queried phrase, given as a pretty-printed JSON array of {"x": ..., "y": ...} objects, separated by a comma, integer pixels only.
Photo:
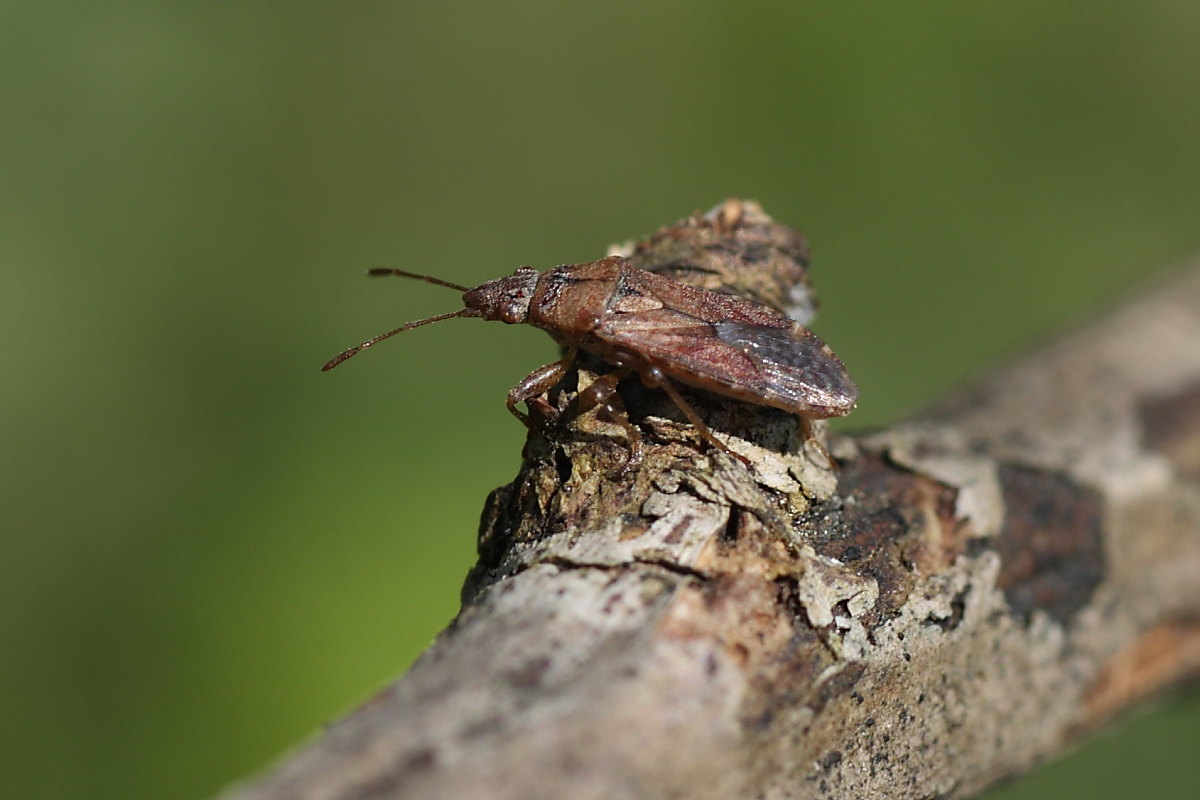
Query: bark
[{"x": 972, "y": 591}]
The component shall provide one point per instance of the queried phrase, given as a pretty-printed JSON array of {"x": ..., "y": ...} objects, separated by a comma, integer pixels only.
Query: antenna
[
  {"x": 358, "y": 348},
  {"x": 426, "y": 278}
]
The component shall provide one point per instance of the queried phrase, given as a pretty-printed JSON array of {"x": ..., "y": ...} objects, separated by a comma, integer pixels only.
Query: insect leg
[
  {"x": 655, "y": 379},
  {"x": 603, "y": 393},
  {"x": 810, "y": 435},
  {"x": 536, "y": 382}
]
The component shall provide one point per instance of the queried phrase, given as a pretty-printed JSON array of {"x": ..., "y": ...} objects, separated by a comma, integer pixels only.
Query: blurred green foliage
[{"x": 207, "y": 544}]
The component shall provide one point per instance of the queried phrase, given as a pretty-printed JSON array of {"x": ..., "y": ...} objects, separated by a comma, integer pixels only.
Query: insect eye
[{"x": 512, "y": 311}]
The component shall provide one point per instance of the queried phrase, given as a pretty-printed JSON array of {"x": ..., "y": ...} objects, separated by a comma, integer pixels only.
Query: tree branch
[{"x": 971, "y": 592}]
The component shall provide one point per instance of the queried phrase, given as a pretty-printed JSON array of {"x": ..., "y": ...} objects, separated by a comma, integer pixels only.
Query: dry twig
[{"x": 973, "y": 590}]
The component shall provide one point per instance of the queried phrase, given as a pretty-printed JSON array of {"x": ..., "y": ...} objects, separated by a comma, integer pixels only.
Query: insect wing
[
  {"x": 795, "y": 367},
  {"x": 730, "y": 346}
]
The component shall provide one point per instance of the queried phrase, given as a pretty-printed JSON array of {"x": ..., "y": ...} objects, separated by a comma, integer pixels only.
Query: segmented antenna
[
  {"x": 358, "y": 348},
  {"x": 426, "y": 278}
]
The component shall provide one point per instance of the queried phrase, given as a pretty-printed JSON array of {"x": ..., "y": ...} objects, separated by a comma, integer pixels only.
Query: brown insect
[{"x": 663, "y": 330}]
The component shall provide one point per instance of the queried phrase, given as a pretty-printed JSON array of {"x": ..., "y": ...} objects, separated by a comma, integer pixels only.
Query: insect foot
[{"x": 664, "y": 331}]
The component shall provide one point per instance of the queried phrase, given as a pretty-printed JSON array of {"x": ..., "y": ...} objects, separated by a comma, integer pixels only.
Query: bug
[{"x": 660, "y": 329}]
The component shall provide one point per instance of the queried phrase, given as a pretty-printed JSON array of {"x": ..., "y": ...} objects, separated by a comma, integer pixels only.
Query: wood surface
[{"x": 972, "y": 591}]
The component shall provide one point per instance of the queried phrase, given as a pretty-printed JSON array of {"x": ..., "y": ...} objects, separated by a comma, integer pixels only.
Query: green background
[{"x": 210, "y": 548}]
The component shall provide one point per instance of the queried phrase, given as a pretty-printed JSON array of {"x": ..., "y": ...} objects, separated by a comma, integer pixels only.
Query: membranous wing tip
[{"x": 795, "y": 364}]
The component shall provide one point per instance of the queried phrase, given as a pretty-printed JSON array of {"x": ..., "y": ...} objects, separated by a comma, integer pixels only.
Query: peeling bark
[{"x": 972, "y": 590}]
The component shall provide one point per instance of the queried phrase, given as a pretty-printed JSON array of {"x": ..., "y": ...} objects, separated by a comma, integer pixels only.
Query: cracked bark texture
[{"x": 972, "y": 591}]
